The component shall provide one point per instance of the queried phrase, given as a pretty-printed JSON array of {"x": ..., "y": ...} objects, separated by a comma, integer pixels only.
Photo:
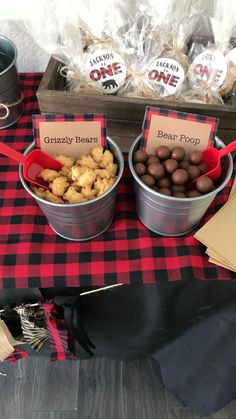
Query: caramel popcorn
[
  {"x": 87, "y": 161},
  {"x": 59, "y": 185},
  {"x": 86, "y": 178},
  {"x": 97, "y": 154},
  {"x": 48, "y": 175},
  {"x": 73, "y": 196},
  {"x": 88, "y": 192},
  {"x": 79, "y": 181},
  {"x": 66, "y": 161},
  {"x": 67, "y": 171},
  {"x": 102, "y": 185},
  {"x": 77, "y": 171},
  {"x": 49, "y": 196},
  {"x": 106, "y": 159},
  {"x": 40, "y": 192}
]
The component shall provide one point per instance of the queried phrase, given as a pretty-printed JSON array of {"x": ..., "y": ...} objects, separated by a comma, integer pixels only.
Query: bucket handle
[
  {"x": 6, "y": 111},
  {"x": 6, "y": 107}
]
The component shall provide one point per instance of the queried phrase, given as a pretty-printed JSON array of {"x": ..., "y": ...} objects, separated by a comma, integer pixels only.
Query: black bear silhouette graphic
[{"x": 109, "y": 84}]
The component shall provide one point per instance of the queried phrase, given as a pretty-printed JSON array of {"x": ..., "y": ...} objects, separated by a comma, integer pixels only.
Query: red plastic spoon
[
  {"x": 211, "y": 156},
  {"x": 32, "y": 164}
]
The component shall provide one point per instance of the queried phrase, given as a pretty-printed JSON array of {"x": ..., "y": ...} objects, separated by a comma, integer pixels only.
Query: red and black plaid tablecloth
[{"x": 32, "y": 255}]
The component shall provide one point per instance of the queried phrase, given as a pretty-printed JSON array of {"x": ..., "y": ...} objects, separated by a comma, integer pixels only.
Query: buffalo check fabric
[
  {"x": 62, "y": 344},
  {"x": 16, "y": 355},
  {"x": 32, "y": 255}
]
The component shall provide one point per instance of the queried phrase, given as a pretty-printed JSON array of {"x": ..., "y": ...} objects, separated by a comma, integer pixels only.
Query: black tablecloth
[{"x": 187, "y": 326}]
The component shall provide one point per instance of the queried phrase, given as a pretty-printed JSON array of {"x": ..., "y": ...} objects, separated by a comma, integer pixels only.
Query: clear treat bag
[
  {"x": 168, "y": 70},
  {"x": 199, "y": 95},
  {"x": 76, "y": 35},
  {"x": 102, "y": 69},
  {"x": 138, "y": 38},
  {"x": 210, "y": 70}
]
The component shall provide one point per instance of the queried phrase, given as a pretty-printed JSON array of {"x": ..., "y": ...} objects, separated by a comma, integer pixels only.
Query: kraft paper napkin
[
  {"x": 7, "y": 341},
  {"x": 216, "y": 256},
  {"x": 219, "y": 234},
  {"x": 220, "y": 263},
  {"x": 233, "y": 189}
]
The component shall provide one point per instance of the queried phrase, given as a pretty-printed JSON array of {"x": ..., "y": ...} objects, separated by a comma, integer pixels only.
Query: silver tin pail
[
  {"x": 86, "y": 220},
  {"x": 170, "y": 216},
  {"x": 11, "y": 97}
]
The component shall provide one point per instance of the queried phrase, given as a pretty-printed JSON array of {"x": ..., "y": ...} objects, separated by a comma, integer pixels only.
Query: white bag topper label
[
  {"x": 210, "y": 67},
  {"x": 105, "y": 70},
  {"x": 168, "y": 75}
]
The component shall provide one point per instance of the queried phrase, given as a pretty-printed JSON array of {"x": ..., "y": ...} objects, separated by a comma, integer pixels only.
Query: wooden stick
[{"x": 101, "y": 289}]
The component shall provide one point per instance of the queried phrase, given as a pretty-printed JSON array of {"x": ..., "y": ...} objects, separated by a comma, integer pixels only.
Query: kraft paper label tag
[
  {"x": 177, "y": 129},
  {"x": 71, "y": 135},
  {"x": 105, "y": 70},
  {"x": 209, "y": 67},
  {"x": 167, "y": 74}
]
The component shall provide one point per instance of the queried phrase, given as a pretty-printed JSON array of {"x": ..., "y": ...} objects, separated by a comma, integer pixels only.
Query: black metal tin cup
[{"x": 11, "y": 97}]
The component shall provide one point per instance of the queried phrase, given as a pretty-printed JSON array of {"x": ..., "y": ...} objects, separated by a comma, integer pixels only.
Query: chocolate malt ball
[
  {"x": 203, "y": 167},
  {"x": 140, "y": 169},
  {"x": 179, "y": 195},
  {"x": 178, "y": 188},
  {"x": 184, "y": 164},
  {"x": 195, "y": 157},
  {"x": 193, "y": 193},
  {"x": 148, "y": 180},
  {"x": 193, "y": 171},
  {"x": 140, "y": 156},
  {"x": 204, "y": 184},
  {"x": 155, "y": 188},
  {"x": 178, "y": 153},
  {"x": 156, "y": 170},
  {"x": 163, "y": 152},
  {"x": 180, "y": 177},
  {"x": 152, "y": 159},
  {"x": 171, "y": 165},
  {"x": 164, "y": 182},
  {"x": 165, "y": 191}
]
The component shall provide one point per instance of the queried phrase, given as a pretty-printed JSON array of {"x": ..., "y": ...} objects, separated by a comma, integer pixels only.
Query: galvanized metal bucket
[
  {"x": 83, "y": 221},
  {"x": 170, "y": 216},
  {"x": 11, "y": 97}
]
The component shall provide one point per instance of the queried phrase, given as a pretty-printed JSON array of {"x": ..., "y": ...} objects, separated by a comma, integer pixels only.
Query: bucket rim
[
  {"x": 15, "y": 56},
  {"x": 91, "y": 201},
  {"x": 173, "y": 198}
]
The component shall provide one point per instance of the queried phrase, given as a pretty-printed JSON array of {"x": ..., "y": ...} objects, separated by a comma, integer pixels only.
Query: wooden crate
[{"x": 125, "y": 115}]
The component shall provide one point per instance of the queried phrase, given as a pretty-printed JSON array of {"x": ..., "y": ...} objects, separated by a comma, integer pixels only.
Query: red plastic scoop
[
  {"x": 211, "y": 156},
  {"x": 32, "y": 164}
]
